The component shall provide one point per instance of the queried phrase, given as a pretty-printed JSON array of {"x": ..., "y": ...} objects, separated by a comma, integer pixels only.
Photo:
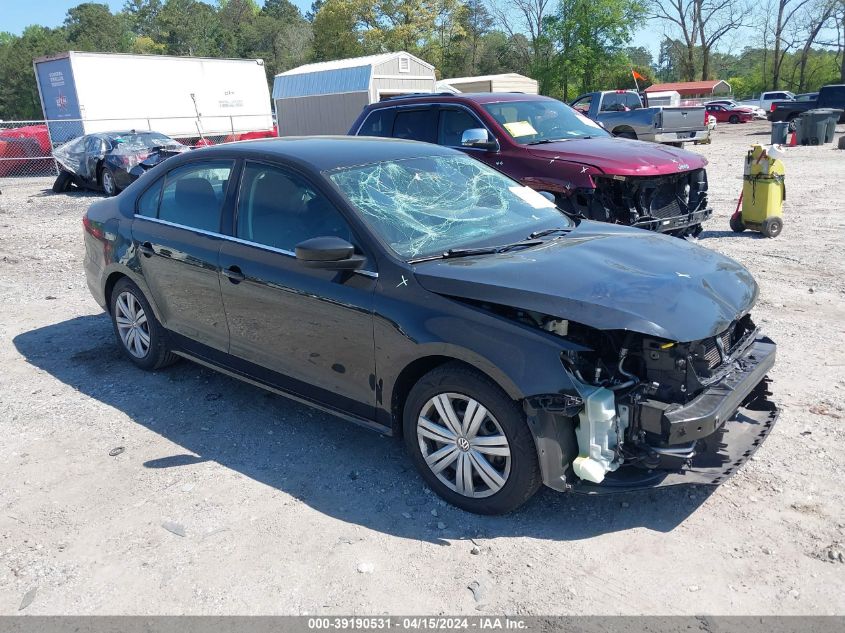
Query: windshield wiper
[
  {"x": 488, "y": 250},
  {"x": 546, "y": 140},
  {"x": 545, "y": 232}
]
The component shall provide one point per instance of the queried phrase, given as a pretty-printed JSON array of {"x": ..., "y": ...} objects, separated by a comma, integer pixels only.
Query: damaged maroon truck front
[{"x": 548, "y": 146}]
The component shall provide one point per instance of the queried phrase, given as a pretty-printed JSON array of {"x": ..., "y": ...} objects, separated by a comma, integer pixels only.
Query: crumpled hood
[
  {"x": 610, "y": 278},
  {"x": 620, "y": 156}
]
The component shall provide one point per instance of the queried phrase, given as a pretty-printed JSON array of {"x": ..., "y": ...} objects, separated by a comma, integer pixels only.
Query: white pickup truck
[{"x": 765, "y": 100}]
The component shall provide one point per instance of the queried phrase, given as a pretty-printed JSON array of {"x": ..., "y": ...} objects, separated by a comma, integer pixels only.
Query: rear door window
[
  {"x": 193, "y": 195},
  {"x": 417, "y": 125}
]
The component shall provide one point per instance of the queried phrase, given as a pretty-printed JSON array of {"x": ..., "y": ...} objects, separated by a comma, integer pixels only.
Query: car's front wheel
[
  {"x": 470, "y": 441},
  {"x": 140, "y": 335}
]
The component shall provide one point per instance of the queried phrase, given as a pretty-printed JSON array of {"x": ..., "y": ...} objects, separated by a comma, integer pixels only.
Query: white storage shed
[
  {"x": 665, "y": 98},
  {"x": 327, "y": 97},
  {"x": 506, "y": 82}
]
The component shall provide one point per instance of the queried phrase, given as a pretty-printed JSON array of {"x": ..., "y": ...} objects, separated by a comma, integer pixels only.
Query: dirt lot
[{"x": 271, "y": 507}]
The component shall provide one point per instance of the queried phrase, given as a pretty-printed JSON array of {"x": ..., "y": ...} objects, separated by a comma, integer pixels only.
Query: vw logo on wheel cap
[{"x": 463, "y": 443}]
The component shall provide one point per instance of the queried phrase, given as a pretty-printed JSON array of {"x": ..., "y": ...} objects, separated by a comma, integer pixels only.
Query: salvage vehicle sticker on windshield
[
  {"x": 520, "y": 128},
  {"x": 533, "y": 198}
]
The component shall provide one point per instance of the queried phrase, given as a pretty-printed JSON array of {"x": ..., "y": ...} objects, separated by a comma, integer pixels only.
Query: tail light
[
  {"x": 772, "y": 107},
  {"x": 706, "y": 118},
  {"x": 92, "y": 227}
]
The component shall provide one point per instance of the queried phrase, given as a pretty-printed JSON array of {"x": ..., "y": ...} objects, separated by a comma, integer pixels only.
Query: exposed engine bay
[
  {"x": 646, "y": 402},
  {"x": 675, "y": 203}
]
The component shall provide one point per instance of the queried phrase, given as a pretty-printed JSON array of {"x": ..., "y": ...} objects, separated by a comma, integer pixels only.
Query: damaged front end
[
  {"x": 651, "y": 412},
  {"x": 676, "y": 203}
]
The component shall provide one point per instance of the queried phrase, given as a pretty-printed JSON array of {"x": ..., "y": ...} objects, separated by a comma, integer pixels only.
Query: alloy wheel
[
  {"x": 464, "y": 445},
  {"x": 132, "y": 325},
  {"x": 108, "y": 183}
]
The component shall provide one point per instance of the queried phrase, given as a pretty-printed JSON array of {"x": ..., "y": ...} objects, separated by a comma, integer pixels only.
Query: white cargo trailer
[{"x": 83, "y": 93}]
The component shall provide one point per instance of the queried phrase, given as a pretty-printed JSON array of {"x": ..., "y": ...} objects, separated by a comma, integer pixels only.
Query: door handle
[
  {"x": 234, "y": 274},
  {"x": 146, "y": 249}
]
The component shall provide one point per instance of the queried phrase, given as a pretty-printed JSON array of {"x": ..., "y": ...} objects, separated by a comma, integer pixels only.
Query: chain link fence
[{"x": 26, "y": 147}]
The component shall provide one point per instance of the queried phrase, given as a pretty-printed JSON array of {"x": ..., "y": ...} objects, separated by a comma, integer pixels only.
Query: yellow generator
[{"x": 763, "y": 193}]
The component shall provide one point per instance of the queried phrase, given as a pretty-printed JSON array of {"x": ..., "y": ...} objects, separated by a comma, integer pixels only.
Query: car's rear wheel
[
  {"x": 140, "y": 335},
  {"x": 470, "y": 441},
  {"x": 107, "y": 182},
  {"x": 626, "y": 134},
  {"x": 63, "y": 182}
]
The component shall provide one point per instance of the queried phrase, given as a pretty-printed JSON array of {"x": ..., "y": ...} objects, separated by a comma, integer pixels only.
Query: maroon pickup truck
[{"x": 550, "y": 147}]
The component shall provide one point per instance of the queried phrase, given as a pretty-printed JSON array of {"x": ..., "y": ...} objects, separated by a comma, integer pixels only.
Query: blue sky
[{"x": 15, "y": 15}]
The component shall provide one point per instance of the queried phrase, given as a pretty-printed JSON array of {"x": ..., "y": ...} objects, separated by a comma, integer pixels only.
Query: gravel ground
[{"x": 229, "y": 500}]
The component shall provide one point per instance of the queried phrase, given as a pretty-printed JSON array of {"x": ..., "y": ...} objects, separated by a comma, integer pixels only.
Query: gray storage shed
[{"x": 327, "y": 97}]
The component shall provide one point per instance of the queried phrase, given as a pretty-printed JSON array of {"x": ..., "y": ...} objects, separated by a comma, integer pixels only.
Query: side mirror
[
  {"x": 329, "y": 253},
  {"x": 548, "y": 195},
  {"x": 478, "y": 138}
]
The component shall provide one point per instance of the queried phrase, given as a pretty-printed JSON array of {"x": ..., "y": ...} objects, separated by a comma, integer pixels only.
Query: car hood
[
  {"x": 619, "y": 156},
  {"x": 610, "y": 278}
]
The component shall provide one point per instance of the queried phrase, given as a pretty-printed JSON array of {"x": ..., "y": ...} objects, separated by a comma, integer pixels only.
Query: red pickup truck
[{"x": 550, "y": 147}]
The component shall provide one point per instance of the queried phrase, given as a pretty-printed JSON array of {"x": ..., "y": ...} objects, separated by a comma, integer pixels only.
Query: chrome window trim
[{"x": 230, "y": 238}]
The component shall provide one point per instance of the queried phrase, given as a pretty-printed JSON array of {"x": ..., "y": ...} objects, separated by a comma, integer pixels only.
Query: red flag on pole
[{"x": 637, "y": 75}]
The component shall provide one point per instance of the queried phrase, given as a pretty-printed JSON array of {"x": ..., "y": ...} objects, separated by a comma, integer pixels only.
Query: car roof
[
  {"x": 324, "y": 152},
  {"x": 462, "y": 97}
]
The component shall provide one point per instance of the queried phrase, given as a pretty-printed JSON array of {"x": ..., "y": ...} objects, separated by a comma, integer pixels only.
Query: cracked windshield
[
  {"x": 534, "y": 122},
  {"x": 425, "y": 206}
]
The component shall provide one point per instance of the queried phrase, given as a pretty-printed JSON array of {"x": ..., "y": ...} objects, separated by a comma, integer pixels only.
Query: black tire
[
  {"x": 771, "y": 227},
  {"x": 737, "y": 225},
  {"x": 523, "y": 477},
  {"x": 63, "y": 182},
  {"x": 733, "y": 119},
  {"x": 157, "y": 352},
  {"x": 107, "y": 182},
  {"x": 626, "y": 134}
]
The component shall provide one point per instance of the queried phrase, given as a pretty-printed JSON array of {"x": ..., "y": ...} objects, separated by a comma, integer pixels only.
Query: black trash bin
[
  {"x": 833, "y": 118},
  {"x": 813, "y": 127},
  {"x": 780, "y": 131}
]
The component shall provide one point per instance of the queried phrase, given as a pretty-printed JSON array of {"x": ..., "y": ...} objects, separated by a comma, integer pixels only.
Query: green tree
[
  {"x": 588, "y": 37},
  {"x": 93, "y": 27},
  {"x": 336, "y": 30},
  {"x": 142, "y": 16},
  {"x": 18, "y": 90},
  {"x": 189, "y": 27}
]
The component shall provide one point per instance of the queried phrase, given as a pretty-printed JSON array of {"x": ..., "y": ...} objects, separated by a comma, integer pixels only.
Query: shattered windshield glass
[
  {"x": 426, "y": 206},
  {"x": 542, "y": 120}
]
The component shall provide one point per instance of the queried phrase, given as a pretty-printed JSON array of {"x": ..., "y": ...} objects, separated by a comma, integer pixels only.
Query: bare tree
[
  {"x": 702, "y": 24},
  {"x": 529, "y": 21},
  {"x": 786, "y": 11},
  {"x": 684, "y": 15},
  {"x": 717, "y": 18},
  {"x": 818, "y": 15}
]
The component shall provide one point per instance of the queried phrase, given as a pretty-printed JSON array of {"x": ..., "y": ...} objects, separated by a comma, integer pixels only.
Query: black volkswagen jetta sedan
[{"x": 412, "y": 289}]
